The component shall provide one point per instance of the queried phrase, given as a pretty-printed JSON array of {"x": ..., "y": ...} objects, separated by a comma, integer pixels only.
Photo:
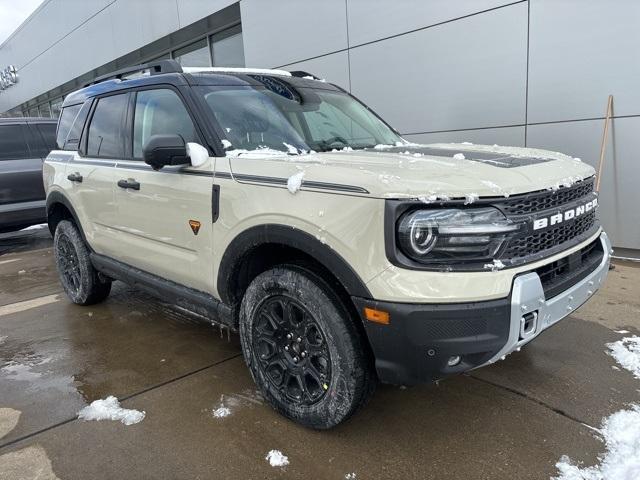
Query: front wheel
[
  {"x": 303, "y": 349},
  {"x": 80, "y": 281}
]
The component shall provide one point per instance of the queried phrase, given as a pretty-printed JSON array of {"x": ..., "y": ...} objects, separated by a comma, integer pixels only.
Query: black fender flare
[
  {"x": 291, "y": 237},
  {"x": 59, "y": 197}
]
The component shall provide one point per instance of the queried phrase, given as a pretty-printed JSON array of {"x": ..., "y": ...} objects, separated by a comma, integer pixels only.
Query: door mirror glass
[
  {"x": 197, "y": 154},
  {"x": 161, "y": 150}
]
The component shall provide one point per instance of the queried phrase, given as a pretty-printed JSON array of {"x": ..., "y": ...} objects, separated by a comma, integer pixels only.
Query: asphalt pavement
[{"x": 512, "y": 420}]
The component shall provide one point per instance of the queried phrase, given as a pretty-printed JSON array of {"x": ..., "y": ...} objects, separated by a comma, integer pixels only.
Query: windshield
[{"x": 279, "y": 117}]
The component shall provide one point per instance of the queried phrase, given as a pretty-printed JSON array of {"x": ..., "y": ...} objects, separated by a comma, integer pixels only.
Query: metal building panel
[
  {"x": 291, "y": 31},
  {"x": 466, "y": 74},
  {"x": 579, "y": 53},
  {"x": 371, "y": 20},
  {"x": 512, "y": 136}
]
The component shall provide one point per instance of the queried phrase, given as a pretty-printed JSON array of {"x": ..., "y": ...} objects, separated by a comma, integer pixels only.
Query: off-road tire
[
  {"x": 80, "y": 281},
  {"x": 350, "y": 379}
]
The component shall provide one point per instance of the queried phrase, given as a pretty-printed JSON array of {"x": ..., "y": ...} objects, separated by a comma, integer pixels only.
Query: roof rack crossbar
[{"x": 155, "y": 68}]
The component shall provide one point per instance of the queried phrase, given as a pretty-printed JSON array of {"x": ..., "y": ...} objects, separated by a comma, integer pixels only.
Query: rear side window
[
  {"x": 160, "y": 112},
  {"x": 48, "y": 132},
  {"x": 73, "y": 137},
  {"x": 13, "y": 144},
  {"x": 67, "y": 117},
  {"x": 105, "y": 137}
]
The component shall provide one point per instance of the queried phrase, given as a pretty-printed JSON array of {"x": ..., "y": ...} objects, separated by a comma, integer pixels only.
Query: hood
[{"x": 425, "y": 172}]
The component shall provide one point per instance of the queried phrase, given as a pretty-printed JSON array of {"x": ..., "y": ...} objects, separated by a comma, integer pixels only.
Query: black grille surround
[{"x": 522, "y": 247}]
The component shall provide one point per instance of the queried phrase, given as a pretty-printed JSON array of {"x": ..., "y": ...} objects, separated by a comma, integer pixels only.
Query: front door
[{"x": 165, "y": 216}]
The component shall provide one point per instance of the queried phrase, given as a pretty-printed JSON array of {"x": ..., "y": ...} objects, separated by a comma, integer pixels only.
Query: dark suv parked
[{"x": 24, "y": 143}]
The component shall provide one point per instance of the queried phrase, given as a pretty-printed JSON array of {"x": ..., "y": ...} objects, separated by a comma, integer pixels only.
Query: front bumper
[{"x": 420, "y": 339}]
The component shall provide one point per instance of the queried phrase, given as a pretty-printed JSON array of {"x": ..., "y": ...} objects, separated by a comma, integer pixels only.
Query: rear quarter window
[{"x": 71, "y": 124}]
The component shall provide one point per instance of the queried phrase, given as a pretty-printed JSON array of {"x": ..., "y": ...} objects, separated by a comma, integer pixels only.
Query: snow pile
[
  {"x": 620, "y": 431},
  {"x": 495, "y": 266},
  {"x": 459, "y": 156},
  {"x": 295, "y": 182},
  {"x": 226, "y": 143},
  {"x": 277, "y": 459},
  {"x": 291, "y": 149},
  {"x": 110, "y": 409},
  {"x": 621, "y": 461},
  {"x": 627, "y": 354},
  {"x": 221, "y": 412},
  {"x": 470, "y": 198}
]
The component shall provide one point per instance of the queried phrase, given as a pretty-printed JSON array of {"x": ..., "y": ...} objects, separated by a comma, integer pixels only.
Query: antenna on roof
[{"x": 154, "y": 68}]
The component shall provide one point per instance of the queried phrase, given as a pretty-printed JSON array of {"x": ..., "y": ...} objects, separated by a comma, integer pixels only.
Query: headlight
[{"x": 453, "y": 235}]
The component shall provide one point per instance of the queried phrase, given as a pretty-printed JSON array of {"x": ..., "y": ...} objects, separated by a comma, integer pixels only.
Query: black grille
[
  {"x": 537, "y": 242},
  {"x": 558, "y": 276},
  {"x": 535, "y": 202}
]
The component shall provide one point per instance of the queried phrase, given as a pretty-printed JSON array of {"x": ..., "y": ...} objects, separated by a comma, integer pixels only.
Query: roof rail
[
  {"x": 155, "y": 68},
  {"x": 302, "y": 74}
]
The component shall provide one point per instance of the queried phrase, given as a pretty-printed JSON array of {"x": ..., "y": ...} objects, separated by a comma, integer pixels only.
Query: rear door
[
  {"x": 166, "y": 220},
  {"x": 20, "y": 170},
  {"x": 91, "y": 173}
]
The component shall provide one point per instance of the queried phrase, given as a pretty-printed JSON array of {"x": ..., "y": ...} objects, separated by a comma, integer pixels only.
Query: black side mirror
[{"x": 161, "y": 150}]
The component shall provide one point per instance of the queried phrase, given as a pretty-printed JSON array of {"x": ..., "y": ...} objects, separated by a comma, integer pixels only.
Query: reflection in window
[
  {"x": 160, "y": 112},
  {"x": 105, "y": 136},
  {"x": 56, "y": 106},
  {"x": 44, "y": 110},
  {"x": 227, "y": 49},
  {"x": 194, "y": 55}
]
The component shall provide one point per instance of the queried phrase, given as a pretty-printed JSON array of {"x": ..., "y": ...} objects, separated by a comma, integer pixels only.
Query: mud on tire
[
  {"x": 303, "y": 349},
  {"x": 79, "y": 279}
]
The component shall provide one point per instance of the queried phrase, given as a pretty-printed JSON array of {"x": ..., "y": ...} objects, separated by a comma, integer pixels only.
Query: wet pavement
[{"x": 511, "y": 420}]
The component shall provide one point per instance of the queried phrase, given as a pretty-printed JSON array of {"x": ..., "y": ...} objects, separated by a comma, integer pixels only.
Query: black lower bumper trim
[{"x": 420, "y": 339}]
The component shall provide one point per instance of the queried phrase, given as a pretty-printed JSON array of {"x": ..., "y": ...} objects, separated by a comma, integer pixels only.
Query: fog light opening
[{"x": 454, "y": 360}]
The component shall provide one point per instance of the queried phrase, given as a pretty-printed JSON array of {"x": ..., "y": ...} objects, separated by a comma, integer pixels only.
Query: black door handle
[
  {"x": 131, "y": 183},
  {"x": 75, "y": 177}
]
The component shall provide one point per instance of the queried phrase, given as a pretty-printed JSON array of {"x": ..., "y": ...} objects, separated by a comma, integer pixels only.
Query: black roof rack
[
  {"x": 155, "y": 68},
  {"x": 302, "y": 74}
]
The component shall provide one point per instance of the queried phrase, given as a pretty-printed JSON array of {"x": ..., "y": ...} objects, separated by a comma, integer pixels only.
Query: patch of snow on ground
[
  {"x": 277, "y": 459},
  {"x": 110, "y": 409},
  {"x": 350, "y": 476},
  {"x": 295, "y": 182},
  {"x": 494, "y": 266},
  {"x": 620, "y": 431},
  {"x": 622, "y": 332},
  {"x": 226, "y": 143},
  {"x": 459, "y": 156},
  {"x": 221, "y": 412},
  {"x": 2, "y": 339},
  {"x": 627, "y": 354},
  {"x": 621, "y": 461}
]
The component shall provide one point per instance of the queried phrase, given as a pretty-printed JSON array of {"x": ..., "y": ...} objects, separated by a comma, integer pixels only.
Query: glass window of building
[
  {"x": 194, "y": 55},
  {"x": 227, "y": 49},
  {"x": 45, "y": 110},
  {"x": 33, "y": 112}
]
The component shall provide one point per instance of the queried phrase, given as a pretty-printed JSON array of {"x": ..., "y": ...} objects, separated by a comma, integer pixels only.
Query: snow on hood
[{"x": 430, "y": 172}]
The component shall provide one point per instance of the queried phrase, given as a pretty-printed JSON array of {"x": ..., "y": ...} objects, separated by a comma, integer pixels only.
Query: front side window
[
  {"x": 160, "y": 112},
  {"x": 13, "y": 145},
  {"x": 105, "y": 137},
  {"x": 280, "y": 116}
]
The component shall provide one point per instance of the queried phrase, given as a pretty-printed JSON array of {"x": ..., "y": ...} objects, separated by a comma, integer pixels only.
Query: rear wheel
[
  {"x": 80, "y": 281},
  {"x": 302, "y": 348}
]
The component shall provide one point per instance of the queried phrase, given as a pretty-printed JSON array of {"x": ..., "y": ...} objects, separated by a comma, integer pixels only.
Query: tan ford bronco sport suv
[{"x": 280, "y": 206}]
